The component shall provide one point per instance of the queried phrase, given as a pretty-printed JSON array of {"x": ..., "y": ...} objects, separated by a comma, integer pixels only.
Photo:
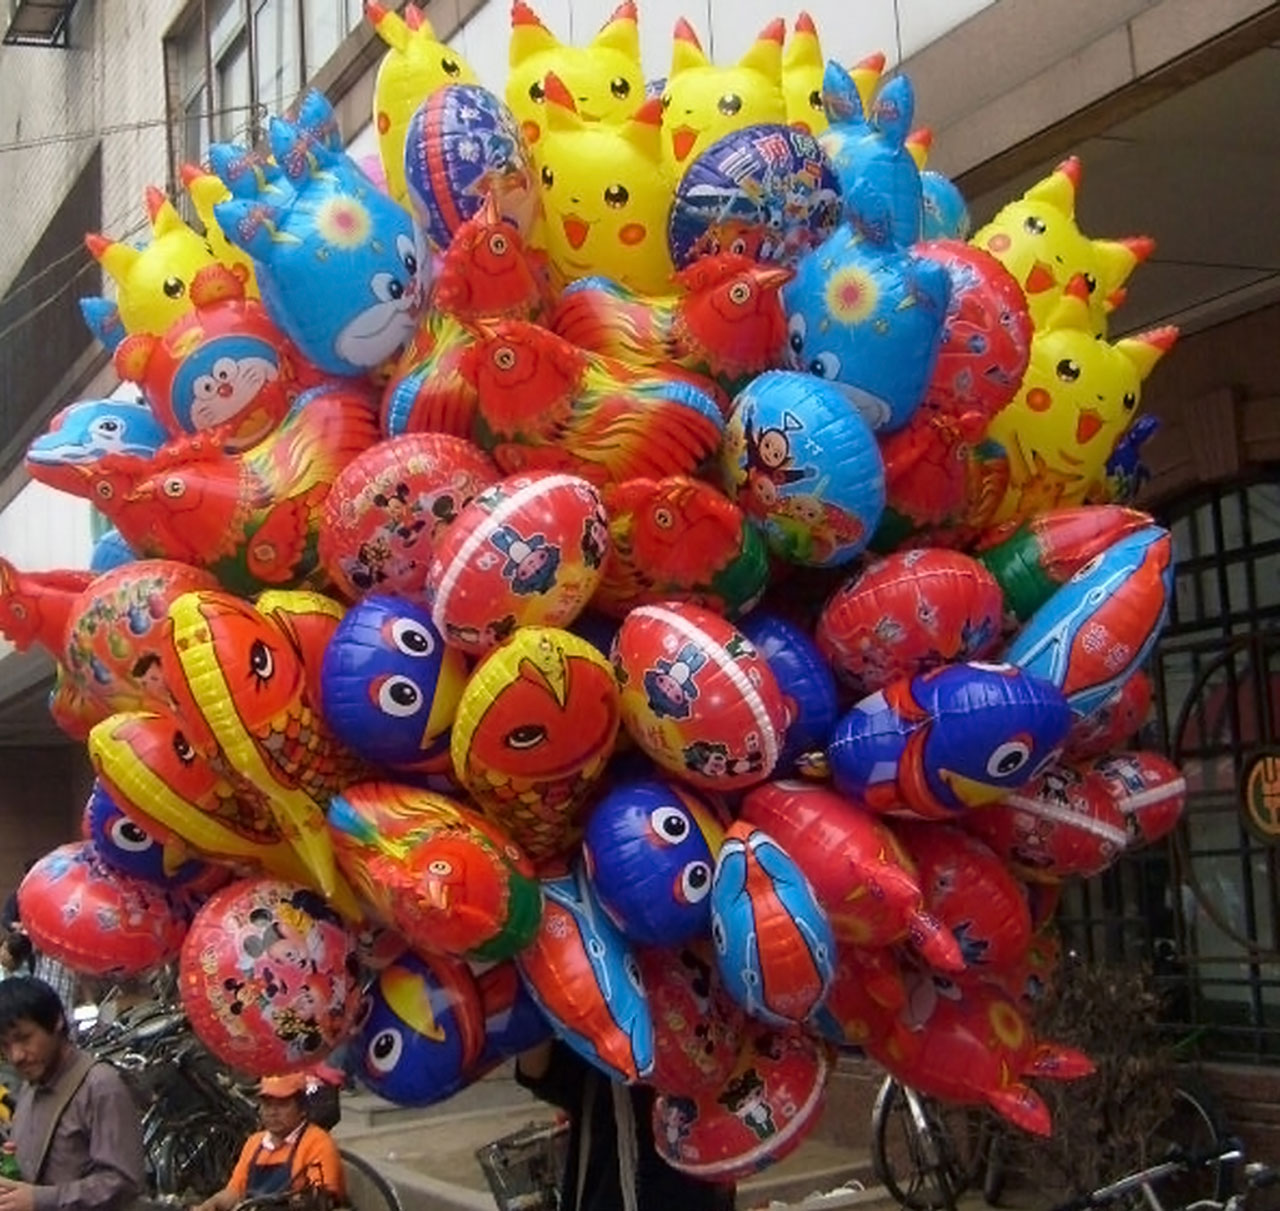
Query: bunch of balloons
[{"x": 636, "y": 572}]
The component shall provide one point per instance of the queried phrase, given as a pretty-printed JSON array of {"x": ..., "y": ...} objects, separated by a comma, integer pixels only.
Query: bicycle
[
  {"x": 524, "y": 1169},
  {"x": 367, "y": 1190}
]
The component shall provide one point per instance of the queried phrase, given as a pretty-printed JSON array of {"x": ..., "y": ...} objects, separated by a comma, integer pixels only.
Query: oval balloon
[{"x": 126, "y": 846}]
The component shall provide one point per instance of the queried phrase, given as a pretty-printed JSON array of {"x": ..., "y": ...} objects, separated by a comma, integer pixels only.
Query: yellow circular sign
[{"x": 1260, "y": 795}]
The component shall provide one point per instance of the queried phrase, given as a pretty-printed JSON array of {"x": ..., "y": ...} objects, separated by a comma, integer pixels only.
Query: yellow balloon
[
  {"x": 206, "y": 190},
  {"x": 702, "y": 103},
  {"x": 802, "y": 68},
  {"x": 604, "y": 78},
  {"x": 416, "y": 64},
  {"x": 604, "y": 195},
  {"x": 1037, "y": 240},
  {"x": 1078, "y": 396}
]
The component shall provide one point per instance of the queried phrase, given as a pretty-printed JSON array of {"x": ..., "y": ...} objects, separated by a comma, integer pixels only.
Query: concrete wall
[{"x": 42, "y": 795}]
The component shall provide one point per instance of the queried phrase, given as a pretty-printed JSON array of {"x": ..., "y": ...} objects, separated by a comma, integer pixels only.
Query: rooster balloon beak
[{"x": 773, "y": 277}]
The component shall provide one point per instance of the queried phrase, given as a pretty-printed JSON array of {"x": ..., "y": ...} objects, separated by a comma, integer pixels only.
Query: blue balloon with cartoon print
[
  {"x": 869, "y": 150},
  {"x": 945, "y": 215},
  {"x": 867, "y": 315},
  {"x": 110, "y": 551},
  {"x": 1097, "y": 629},
  {"x": 775, "y": 949},
  {"x": 944, "y": 741},
  {"x": 391, "y": 686},
  {"x": 129, "y": 848},
  {"x": 424, "y": 1033},
  {"x": 335, "y": 258},
  {"x": 807, "y": 683},
  {"x": 583, "y": 975},
  {"x": 85, "y": 432},
  {"x": 804, "y": 467},
  {"x": 650, "y": 849}
]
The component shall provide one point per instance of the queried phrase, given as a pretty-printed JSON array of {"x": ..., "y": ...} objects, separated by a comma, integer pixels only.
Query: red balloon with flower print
[{"x": 865, "y": 1001}]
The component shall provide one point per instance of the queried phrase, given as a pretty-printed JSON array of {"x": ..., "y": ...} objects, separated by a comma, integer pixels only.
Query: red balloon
[
  {"x": 269, "y": 977},
  {"x": 863, "y": 876},
  {"x": 1149, "y": 790},
  {"x": 96, "y": 920},
  {"x": 907, "y": 613},
  {"x": 1118, "y": 719},
  {"x": 389, "y": 506},
  {"x": 865, "y": 1001}
]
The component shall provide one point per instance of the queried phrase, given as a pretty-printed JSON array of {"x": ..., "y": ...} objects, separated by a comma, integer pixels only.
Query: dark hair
[
  {"x": 20, "y": 950},
  {"x": 27, "y": 998}
]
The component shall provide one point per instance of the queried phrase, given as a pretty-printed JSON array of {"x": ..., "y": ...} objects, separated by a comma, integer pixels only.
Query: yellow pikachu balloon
[
  {"x": 802, "y": 68},
  {"x": 206, "y": 191},
  {"x": 153, "y": 283},
  {"x": 1037, "y": 240},
  {"x": 1078, "y": 396},
  {"x": 604, "y": 78},
  {"x": 416, "y": 64},
  {"x": 702, "y": 103},
  {"x": 604, "y": 194}
]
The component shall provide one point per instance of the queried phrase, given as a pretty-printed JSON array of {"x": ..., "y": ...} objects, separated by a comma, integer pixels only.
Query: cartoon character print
[
  {"x": 228, "y": 386},
  {"x": 670, "y": 685},
  {"x": 531, "y": 563},
  {"x": 490, "y": 635},
  {"x": 712, "y": 759},
  {"x": 677, "y": 1117},
  {"x": 745, "y": 1097},
  {"x": 595, "y": 540},
  {"x": 404, "y": 521}
]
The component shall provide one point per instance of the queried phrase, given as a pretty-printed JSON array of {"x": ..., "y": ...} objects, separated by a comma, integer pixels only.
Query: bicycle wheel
[
  {"x": 925, "y": 1170},
  {"x": 1195, "y": 1126},
  {"x": 367, "y": 1189},
  {"x": 193, "y": 1156}
]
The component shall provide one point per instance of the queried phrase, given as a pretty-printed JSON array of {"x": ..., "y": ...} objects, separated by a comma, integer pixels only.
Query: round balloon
[
  {"x": 535, "y": 728},
  {"x": 464, "y": 144},
  {"x": 1149, "y": 790},
  {"x": 126, "y": 846},
  {"x": 389, "y": 506},
  {"x": 391, "y": 686},
  {"x": 698, "y": 697},
  {"x": 650, "y": 849},
  {"x": 764, "y": 191},
  {"x": 805, "y": 467},
  {"x": 527, "y": 550},
  {"x": 97, "y": 921},
  {"x": 269, "y": 977},
  {"x": 907, "y": 613}
]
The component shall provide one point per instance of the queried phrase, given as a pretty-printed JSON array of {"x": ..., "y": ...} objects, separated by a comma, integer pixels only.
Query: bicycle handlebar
[{"x": 1177, "y": 1162}]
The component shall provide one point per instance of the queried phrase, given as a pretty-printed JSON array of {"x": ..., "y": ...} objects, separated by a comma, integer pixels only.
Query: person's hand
[{"x": 17, "y": 1196}]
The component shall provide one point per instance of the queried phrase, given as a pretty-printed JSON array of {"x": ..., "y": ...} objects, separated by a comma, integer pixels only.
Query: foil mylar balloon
[
  {"x": 1078, "y": 396},
  {"x": 1117, "y": 720},
  {"x": 425, "y": 1030},
  {"x": 679, "y": 539},
  {"x": 907, "y": 613},
  {"x": 526, "y": 551},
  {"x": 803, "y": 65},
  {"x": 803, "y": 676},
  {"x": 1099, "y": 627},
  {"x": 126, "y": 846},
  {"x": 702, "y": 103},
  {"x": 84, "y": 432},
  {"x": 269, "y": 977},
  {"x": 650, "y": 850},
  {"x": 1149, "y": 790},
  {"x": 944, "y": 214},
  {"x": 335, "y": 259},
  {"x": 1064, "y": 825},
  {"x": 463, "y": 146},
  {"x": 698, "y": 697},
  {"x": 206, "y": 190},
  {"x": 774, "y": 947},
  {"x": 867, "y": 315},
  {"x": 805, "y": 466},
  {"x": 763, "y": 191},
  {"x": 1036, "y": 238},
  {"x": 865, "y": 1001},
  {"x": 414, "y": 69},
  {"x": 96, "y": 920},
  {"x": 535, "y": 728},
  {"x": 954, "y": 738},
  {"x": 864, "y": 879},
  {"x": 605, "y": 75},
  {"x": 391, "y": 686},
  {"x": 388, "y": 507},
  {"x": 584, "y": 976},
  {"x": 773, "y": 1098},
  {"x": 512, "y": 1020},
  {"x": 110, "y": 551},
  {"x": 445, "y": 878}
]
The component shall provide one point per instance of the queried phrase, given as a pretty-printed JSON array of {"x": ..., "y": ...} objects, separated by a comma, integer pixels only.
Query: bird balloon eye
[
  {"x": 385, "y": 1050},
  {"x": 739, "y": 292},
  {"x": 504, "y": 358}
]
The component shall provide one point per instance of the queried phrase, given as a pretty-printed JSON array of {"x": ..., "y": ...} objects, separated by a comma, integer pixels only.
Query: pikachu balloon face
[
  {"x": 703, "y": 102},
  {"x": 802, "y": 68},
  {"x": 604, "y": 78},
  {"x": 1078, "y": 397},
  {"x": 206, "y": 190},
  {"x": 1037, "y": 240},
  {"x": 416, "y": 64},
  {"x": 604, "y": 194},
  {"x": 153, "y": 283}
]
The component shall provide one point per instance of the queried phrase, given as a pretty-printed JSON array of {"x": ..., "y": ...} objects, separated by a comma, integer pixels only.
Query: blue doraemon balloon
[
  {"x": 804, "y": 467},
  {"x": 870, "y": 150},
  {"x": 807, "y": 683},
  {"x": 335, "y": 258},
  {"x": 866, "y": 314},
  {"x": 391, "y": 686},
  {"x": 131, "y": 849},
  {"x": 945, "y": 216},
  {"x": 650, "y": 849}
]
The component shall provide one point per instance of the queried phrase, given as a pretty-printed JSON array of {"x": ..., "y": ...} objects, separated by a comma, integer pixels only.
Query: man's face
[
  {"x": 280, "y": 1115},
  {"x": 32, "y": 1050}
]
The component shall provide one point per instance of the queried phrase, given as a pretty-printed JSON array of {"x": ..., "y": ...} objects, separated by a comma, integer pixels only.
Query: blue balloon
[
  {"x": 130, "y": 848},
  {"x": 110, "y": 551},
  {"x": 84, "y": 432},
  {"x": 945, "y": 215}
]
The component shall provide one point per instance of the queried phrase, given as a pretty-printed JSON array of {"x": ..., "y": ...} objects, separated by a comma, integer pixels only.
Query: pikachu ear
[
  {"x": 686, "y": 50},
  {"x": 164, "y": 218},
  {"x": 561, "y": 112},
  {"x": 1147, "y": 348},
  {"x": 1072, "y": 309},
  {"x": 529, "y": 36},
  {"x": 418, "y": 23},
  {"x": 621, "y": 32},
  {"x": 803, "y": 49},
  {"x": 918, "y": 145},
  {"x": 116, "y": 258},
  {"x": 765, "y": 53},
  {"x": 643, "y": 130},
  {"x": 1059, "y": 188},
  {"x": 389, "y": 24},
  {"x": 1117, "y": 259},
  {"x": 866, "y": 75}
]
